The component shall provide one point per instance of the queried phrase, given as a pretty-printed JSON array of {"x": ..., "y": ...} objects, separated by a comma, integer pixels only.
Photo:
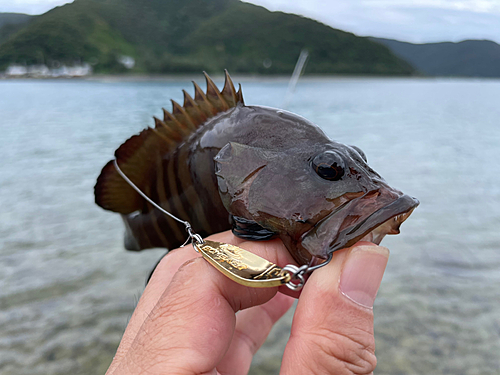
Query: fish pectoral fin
[
  {"x": 130, "y": 242},
  {"x": 250, "y": 230}
]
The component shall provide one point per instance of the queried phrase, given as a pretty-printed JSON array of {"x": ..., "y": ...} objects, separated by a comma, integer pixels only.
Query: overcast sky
[{"x": 416, "y": 21}]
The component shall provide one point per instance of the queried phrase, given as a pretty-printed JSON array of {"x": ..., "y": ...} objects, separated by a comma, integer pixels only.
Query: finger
[
  {"x": 193, "y": 322},
  {"x": 332, "y": 330},
  {"x": 252, "y": 328},
  {"x": 160, "y": 279}
]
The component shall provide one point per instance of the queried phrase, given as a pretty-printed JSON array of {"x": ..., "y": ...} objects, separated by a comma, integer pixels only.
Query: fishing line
[
  {"x": 238, "y": 264},
  {"x": 192, "y": 234},
  {"x": 297, "y": 72},
  {"x": 134, "y": 186}
]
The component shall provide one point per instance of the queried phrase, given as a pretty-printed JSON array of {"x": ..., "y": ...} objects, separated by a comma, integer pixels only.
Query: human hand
[{"x": 185, "y": 322}]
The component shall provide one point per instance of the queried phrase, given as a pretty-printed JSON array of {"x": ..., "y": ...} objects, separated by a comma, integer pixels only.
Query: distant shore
[{"x": 244, "y": 77}]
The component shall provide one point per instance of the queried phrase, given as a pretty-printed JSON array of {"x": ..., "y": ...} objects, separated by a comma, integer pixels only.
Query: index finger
[
  {"x": 192, "y": 324},
  {"x": 162, "y": 276},
  {"x": 160, "y": 279}
]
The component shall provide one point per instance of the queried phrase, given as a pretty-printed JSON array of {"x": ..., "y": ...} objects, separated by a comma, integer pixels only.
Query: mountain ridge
[
  {"x": 183, "y": 36},
  {"x": 11, "y": 23},
  {"x": 467, "y": 58},
  {"x": 13, "y": 18}
]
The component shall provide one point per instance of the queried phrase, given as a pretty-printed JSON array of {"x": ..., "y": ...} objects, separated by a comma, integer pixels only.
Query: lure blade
[{"x": 242, "y": 266}]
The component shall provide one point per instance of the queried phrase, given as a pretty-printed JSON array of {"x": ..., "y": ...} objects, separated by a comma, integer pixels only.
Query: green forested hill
[
  {"x": 244, "y": 35},
  {"x": 13, "y": 18},
  {"x": 12, "y": 22},
  {"x": 67, "y": 34},
  {"x": 166, "y": 36}
]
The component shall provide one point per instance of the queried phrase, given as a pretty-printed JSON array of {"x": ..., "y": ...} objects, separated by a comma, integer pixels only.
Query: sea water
[{"x": 68, "y": 288}]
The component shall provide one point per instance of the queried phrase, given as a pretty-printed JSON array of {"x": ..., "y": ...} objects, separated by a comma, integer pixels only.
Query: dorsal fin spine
[
  {"x": 214, "y": 96},
  {"x": 167, "y": 130},
  {"x": 167, "y": 116},
  {"x": 174, "y": 124},
  {"x": 194, "y": 111},
  {"x": 202, "y": 101},
  {"x": 162, "y": 136},
  {"x": 182, "y": 116},
  {"x": 229, "y": 92},
  {"x": 138, "y": 155},
  {"x": 188, "y": 100},
  {"x": 159, "y": 123},
  {"x": 240, "y": 95}
]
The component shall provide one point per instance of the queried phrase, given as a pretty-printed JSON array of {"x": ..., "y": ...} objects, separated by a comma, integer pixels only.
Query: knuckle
[
  {"x": 348, "y": 354},
  {"x": 249, "y": 342}
]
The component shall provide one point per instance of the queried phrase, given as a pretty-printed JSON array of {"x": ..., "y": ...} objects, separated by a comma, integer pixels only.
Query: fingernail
[{"x": 362, "y": 273}]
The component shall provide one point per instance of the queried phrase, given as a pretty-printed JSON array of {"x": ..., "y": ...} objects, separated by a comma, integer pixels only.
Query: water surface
[{"x": 67, "y": 287}]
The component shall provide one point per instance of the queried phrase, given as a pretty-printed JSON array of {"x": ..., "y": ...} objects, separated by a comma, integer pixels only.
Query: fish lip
[
  {"x": 367, "y": 217},
  {"x": 400, "y": 209}
]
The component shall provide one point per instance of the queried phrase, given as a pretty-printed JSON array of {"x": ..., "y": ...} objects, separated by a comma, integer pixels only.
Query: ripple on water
[{"x": 67, "y": 289}]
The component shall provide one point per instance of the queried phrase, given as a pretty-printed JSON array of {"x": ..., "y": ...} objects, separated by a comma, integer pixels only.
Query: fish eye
[
  {"x": 329, "y": 165},
  {"x": 361, "y": 153}
]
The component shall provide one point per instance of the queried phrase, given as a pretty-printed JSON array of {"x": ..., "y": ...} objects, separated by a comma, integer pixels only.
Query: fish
[{"x": 260, "y": 171}]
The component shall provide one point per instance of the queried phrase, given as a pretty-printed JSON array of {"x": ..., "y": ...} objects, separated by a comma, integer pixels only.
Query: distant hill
[
  {"x": 470, "y": 58},
  {"x": 244, "y": 35},
  {"x": 13, "y": 18},
  {"x": 169, "y": 36},
  {"x": 12, "y": 22}
]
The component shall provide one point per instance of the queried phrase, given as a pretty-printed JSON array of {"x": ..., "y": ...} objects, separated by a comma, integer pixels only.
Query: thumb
[{"x": 332, "y": 329}]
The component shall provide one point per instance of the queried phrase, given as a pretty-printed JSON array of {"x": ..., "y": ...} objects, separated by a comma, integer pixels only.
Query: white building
[
  {"x": 42, "y": 71},
  {"x": 38, "y": 71},
  {"x": 16, "y": 71},
  {"x": 127, "y": 61},
  {"x": 72, "y": 71}
]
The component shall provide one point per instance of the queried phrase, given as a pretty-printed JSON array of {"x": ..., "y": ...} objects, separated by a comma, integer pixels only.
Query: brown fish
[{"x": 263, "y": 172}]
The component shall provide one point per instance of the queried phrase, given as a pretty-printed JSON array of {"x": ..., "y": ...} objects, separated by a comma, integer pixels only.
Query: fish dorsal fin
[{"x": 141, "y": 155}]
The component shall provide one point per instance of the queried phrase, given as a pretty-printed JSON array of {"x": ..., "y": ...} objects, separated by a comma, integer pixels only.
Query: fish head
[{"x": 318, "y": 198}]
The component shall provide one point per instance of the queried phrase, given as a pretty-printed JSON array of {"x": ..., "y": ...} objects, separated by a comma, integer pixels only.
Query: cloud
[
  {"x": 30, "y": 6},
  {"x": 417, "y": 21},
  {"x": 433, "y": 25},
  {"x": 478, "y": 6}
]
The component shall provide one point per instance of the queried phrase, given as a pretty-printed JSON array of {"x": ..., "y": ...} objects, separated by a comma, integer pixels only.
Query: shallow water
[{"x": 67, "y": 288}]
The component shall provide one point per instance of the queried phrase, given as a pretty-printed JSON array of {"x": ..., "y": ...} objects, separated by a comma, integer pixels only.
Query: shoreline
[{"x": 243, "y": 77}]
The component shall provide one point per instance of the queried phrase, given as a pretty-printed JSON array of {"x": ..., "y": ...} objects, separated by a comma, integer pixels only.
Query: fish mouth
[
  {"x": 368, "y": 218},
  {"x": 375, "y": 227}
]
